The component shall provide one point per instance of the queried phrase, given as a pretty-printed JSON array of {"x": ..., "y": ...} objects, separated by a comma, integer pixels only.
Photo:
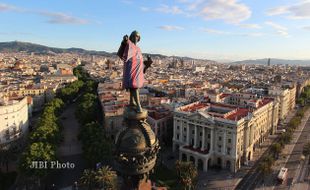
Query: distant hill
[
  {"x": 17, "y": 46},
  {"x": 274, "y": 62}
]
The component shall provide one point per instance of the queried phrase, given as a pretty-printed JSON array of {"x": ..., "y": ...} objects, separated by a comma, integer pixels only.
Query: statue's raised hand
[
  {"x": 125, "y": 39},
  {"x": 122, "y": 47}
]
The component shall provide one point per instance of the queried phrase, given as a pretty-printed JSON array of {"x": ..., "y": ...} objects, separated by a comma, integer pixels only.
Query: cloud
[
  {"x": 145, "y": 9},
  {"x": 170, "y": 28},
  {"x": 61, "y": 18},
  {"x": 169, "y": 9},
  {"x": 306, "y": 28},
  {"x": 128, "y": 2},
  {"x": 275, "y": 26},
  {"x": 281, "y": 30},
  {"x": 15, "y": 33},
  {"x": 6, "y": 7},
  {"x": 53, "y": 17},
  {"x": 253, "y": 34},
  {"x": 229, "y": 11},
  {"x": 299, "y": 10},
  {"x": 251, "y": 26},
  {"x": 221, "y": 32},
  {"x": 213, "y": 31},
  {"x": 277, "y": 11}
]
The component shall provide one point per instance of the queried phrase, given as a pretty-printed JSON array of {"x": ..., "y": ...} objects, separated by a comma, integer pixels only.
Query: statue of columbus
[{"x": 134, "y": 68}]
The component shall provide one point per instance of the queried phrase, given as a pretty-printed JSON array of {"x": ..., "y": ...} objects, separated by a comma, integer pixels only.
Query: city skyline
[{"x": 208, "y": 29}]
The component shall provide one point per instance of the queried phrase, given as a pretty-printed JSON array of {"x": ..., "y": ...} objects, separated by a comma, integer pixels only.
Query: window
[
  {"x": 200, "y": 134},
  {"x": 178, "y": 136},
  {"x": 219, "y": 148},
  {"x": 7, "y": 134},
  {"x": 228, "y": 151},
  {"x": 193, "y": 131},
  {"x": 178, "y": 127},
  {"x": 209, "y": 136},
  {"x": 229, "y": 140},
  {"x": 220, "y": 138}
]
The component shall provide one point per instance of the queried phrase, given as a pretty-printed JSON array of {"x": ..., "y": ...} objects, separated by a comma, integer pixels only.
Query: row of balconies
[{"x": 12, "y": 135}]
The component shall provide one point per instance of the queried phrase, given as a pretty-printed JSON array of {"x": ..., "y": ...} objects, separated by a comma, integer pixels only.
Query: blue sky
[{"x": 211, "y": 29}]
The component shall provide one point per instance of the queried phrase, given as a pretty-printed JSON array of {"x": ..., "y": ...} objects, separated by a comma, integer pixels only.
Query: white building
[
  {"x": 221, "y": 135},
  {"x": 14, "y": 120},
  {"x": 200, "y": 69}
]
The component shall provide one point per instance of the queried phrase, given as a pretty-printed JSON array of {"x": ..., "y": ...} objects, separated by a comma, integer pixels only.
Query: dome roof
[
  {"x": 136, "y": 146},
  {"x": 136, "y": 138}
]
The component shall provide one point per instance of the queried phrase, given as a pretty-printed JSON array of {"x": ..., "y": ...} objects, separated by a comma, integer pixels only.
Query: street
[
  {"x": 291, "y": 158},
  {"x": 70, "y": 151}
]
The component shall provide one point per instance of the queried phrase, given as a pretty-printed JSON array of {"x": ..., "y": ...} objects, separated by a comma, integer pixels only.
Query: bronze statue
[{"x": 134, "y": 68}]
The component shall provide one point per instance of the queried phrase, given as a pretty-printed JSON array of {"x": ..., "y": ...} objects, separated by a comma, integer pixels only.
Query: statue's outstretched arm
[
  {"x": 122, "y": 48},
  {"x": 147, "y": 63}
]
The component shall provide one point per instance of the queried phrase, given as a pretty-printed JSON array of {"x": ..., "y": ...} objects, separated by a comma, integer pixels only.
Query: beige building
[
  {"x": 113, "y": 101},
  {"x": 14, "y": 120},
  {"x": 40, "y": 94},
  {"x": 222, "y": 135},
  {"x": 286, "y": 98},
  {"x": 160, "y": 119}
]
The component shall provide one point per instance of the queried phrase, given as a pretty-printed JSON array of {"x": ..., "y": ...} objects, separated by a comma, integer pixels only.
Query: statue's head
[{"x": 134, "y": 37}]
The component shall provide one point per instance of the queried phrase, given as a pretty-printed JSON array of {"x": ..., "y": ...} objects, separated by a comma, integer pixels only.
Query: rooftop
[
  {"x": 194, "y": 107},
  {"x": 238, "y": 114}
]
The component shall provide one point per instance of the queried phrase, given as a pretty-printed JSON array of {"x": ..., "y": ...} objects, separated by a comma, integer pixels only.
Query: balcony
[
  {"x": 197, "y": 150},
  {"x": 13, "y": 135}
]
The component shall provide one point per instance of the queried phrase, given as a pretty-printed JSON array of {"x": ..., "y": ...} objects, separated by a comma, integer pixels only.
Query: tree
[
  {"x": 57, "y": 104},
  {"x": 90, "y": 86},
  {"x": 286, "y": 137},
  {"x": 36, "y": 152},
  {"x": 306, "y": 149},
  {"x": 107, "y": 177},
  {"x": 87, "y": 108},
  {"x": 301, "y": 101},
  {"x": 276, "y": 149},
  {"x": 88, "y": 178},
  {"x": 95, "y": 147},
  {"x": 187, "y": 174},
  {"x": 265, "y": 168}
]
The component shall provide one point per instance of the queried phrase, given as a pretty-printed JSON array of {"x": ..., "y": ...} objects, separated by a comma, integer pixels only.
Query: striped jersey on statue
[{"x": 133, "y": 76}]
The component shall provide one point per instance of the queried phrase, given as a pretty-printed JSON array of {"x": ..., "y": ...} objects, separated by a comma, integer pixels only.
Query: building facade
[
  {"x": 14, "y": 120},
  {"x": 222, "y": 135},
  {"x": 160, "y": 120},
  {"x": 286, "y": 98}
]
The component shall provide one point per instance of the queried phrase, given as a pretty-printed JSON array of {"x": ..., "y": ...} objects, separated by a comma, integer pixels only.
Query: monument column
[
  {"x": 195, "y": 137},
  {"x": 203, "y": 139},
  {"x": 224, "y": 142},
  {"x": 136, "y": 150},
  {"x": 181, "y": 132},
  {"x": 212, "y": 141},
  {"x": 188, "y": 135}
]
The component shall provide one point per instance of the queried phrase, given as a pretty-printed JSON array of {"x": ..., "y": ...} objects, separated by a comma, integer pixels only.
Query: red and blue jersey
[{"x": 133, "y": 76}]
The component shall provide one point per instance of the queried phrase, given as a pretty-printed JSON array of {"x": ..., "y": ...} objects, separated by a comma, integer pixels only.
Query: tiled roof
[{"x": 238, "y": 114}]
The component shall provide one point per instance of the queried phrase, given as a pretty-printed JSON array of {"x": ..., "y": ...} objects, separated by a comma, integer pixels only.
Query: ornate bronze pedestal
[{"x": 136, "y": 149}]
